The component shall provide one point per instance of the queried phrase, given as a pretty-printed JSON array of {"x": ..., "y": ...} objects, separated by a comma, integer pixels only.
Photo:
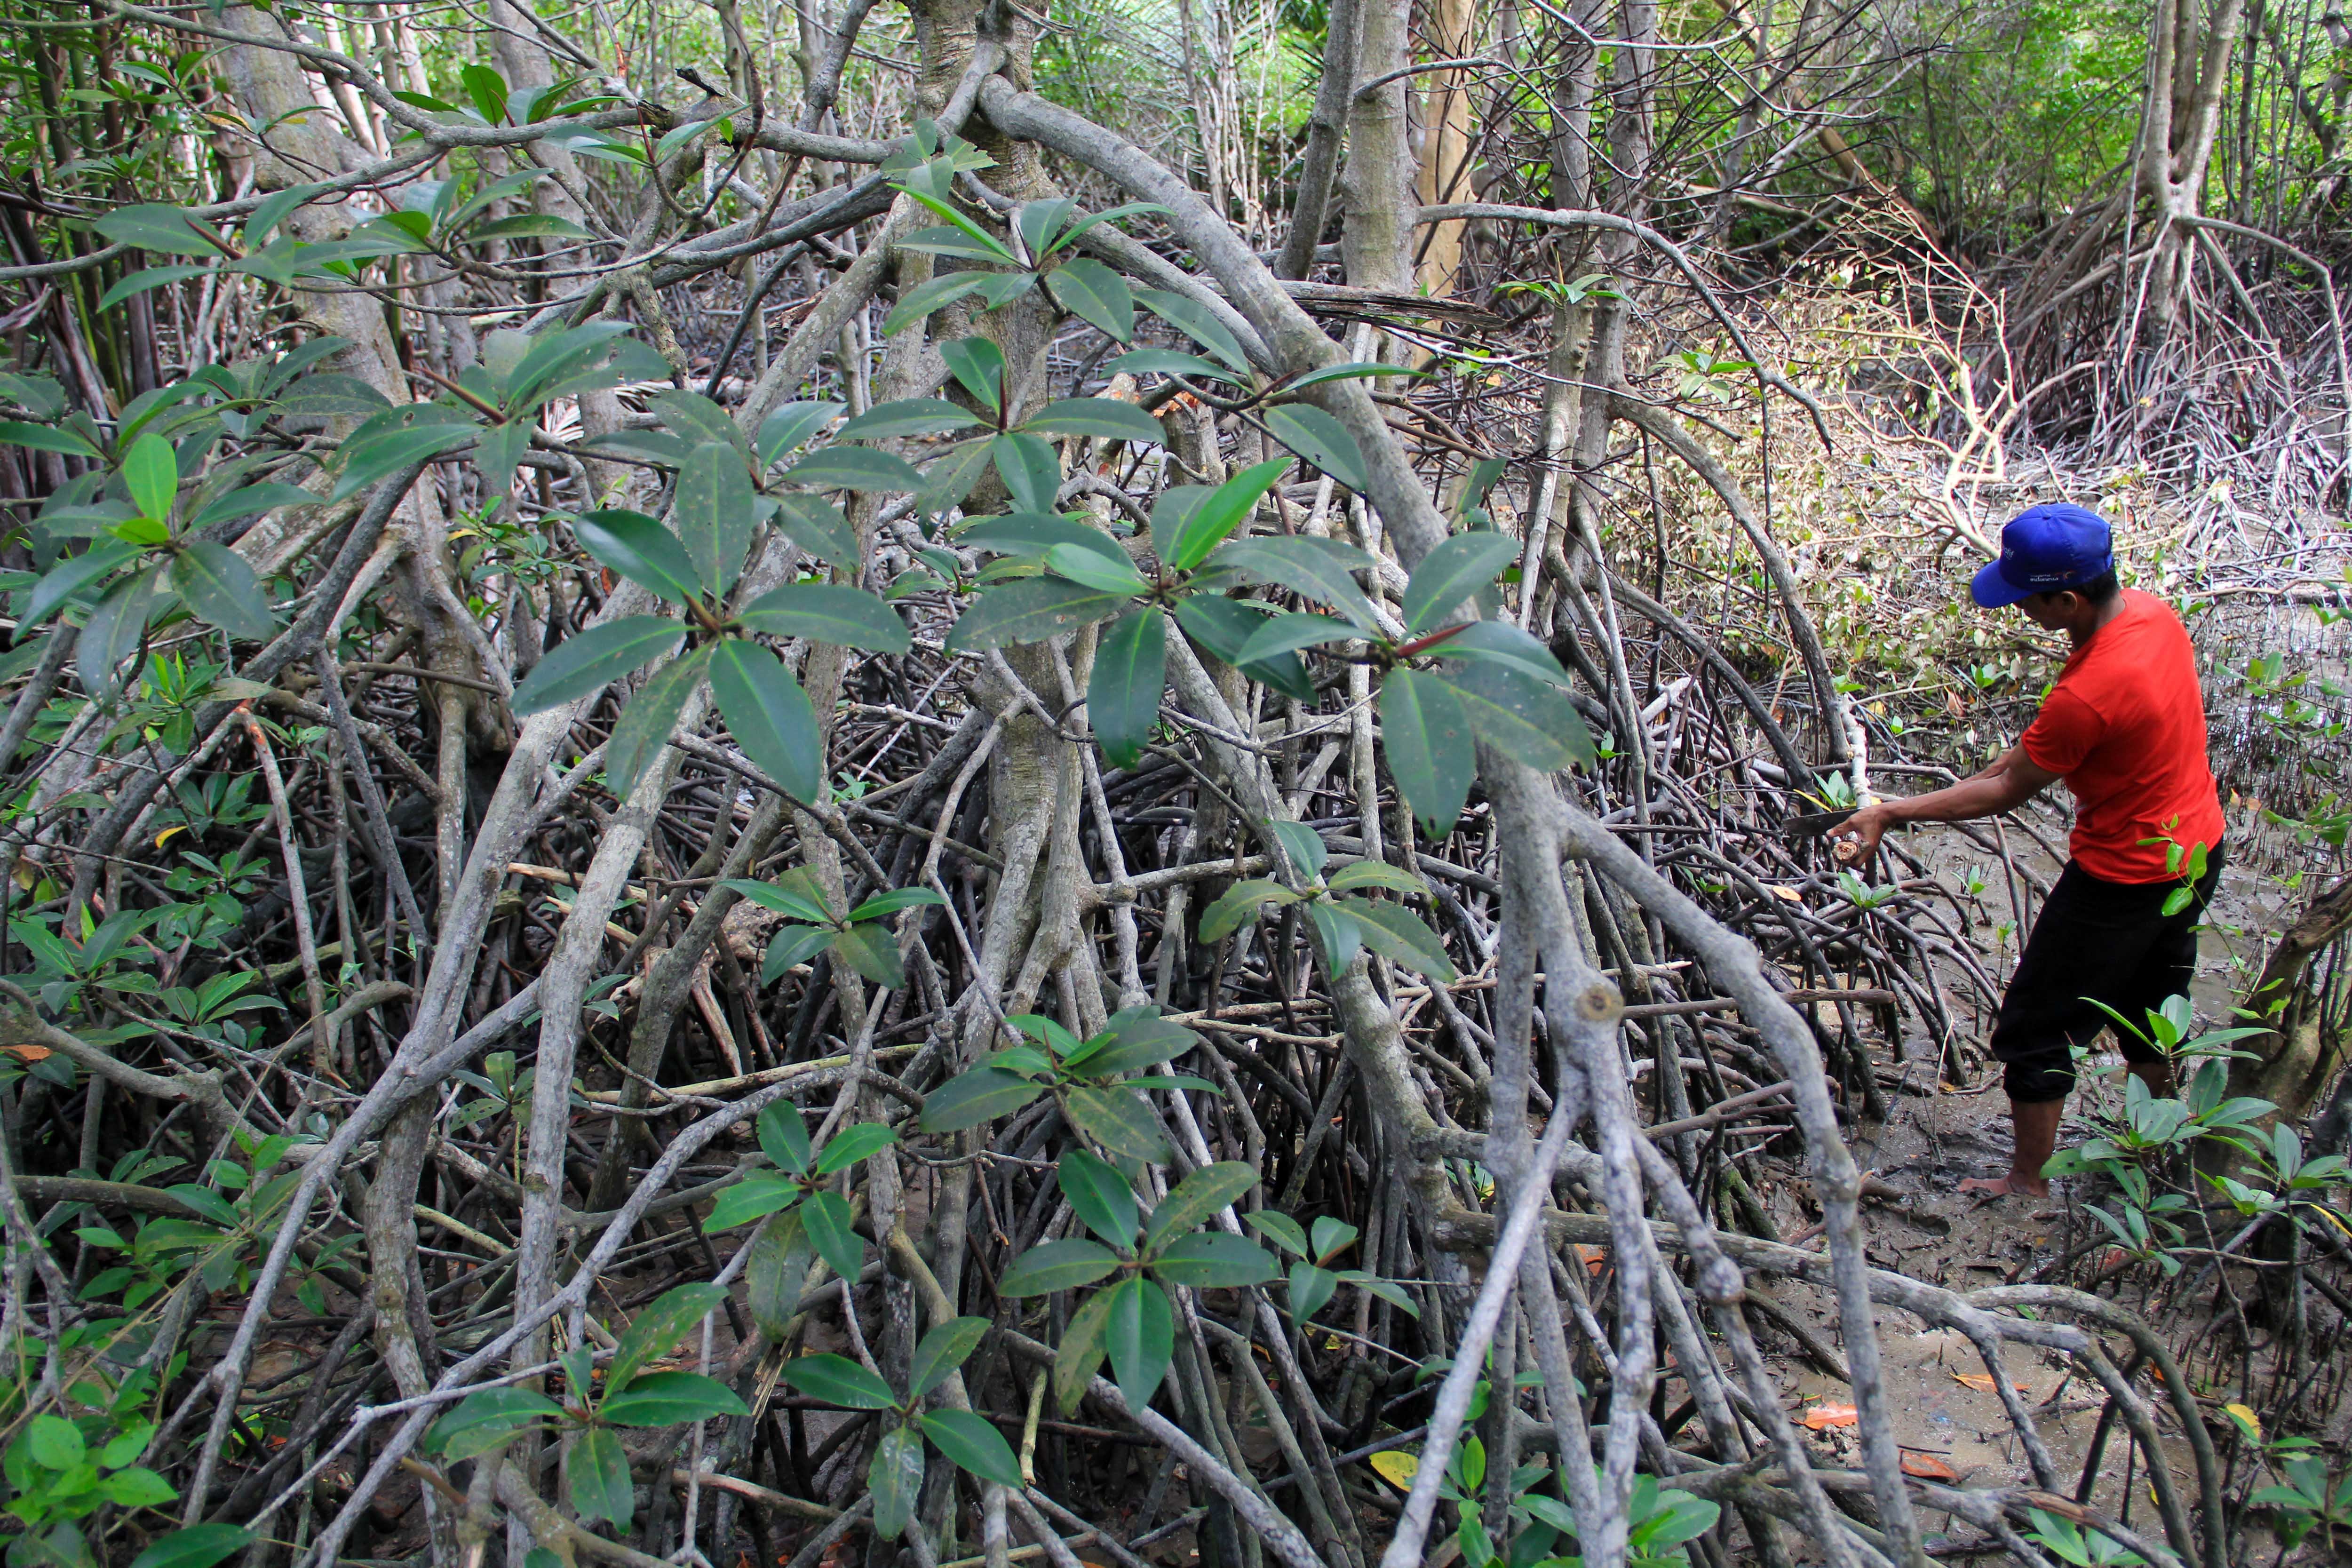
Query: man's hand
[
  {"x": 2011, "y": 781},
  {"x": 1858, "y": 835}
]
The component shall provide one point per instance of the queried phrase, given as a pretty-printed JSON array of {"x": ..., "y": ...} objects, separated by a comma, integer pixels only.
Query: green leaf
[
  {"x": 1031, "y": 469},
  {"x": 487, "y": 88},
  {"x": 1096, "y": 295},
  {"x": 794, "y": 946},
  {"x": 1310, "y": 1289},
  {"x": 817, "y": 526},
  {"x": 790, "y": 426},
  {"x": 1304, "y": 566},
  {"x": 1099, "y": 1195},
  {"x": 250, "y": 501},
  {"x": 712, "y": 513},
  {"x": 825, "y": 1216},
  {"x": 1278, "y": 1228},
  {"x": 1289, "y": 633},
  {"x": 881, "y": 906},
  {"x": 599, "y": 1470},
  {"x": 1220, "y": 627},
  {"x": 667, "y": 1398},
  {"x": 793, "y": 894},
  {"x": 828, "y": 612},
  {"x": 1374, "y": 874},
  {"x": 1195, "y": 1199},
  {"x": 329, "y": 396},
  {"x": 922, "y": 300},
  {"x": 641, "y": 550},
  {"x": 973, "y": 1444},
  {"x": 1220, "y": 513},
  {"x": 69, "y": 576},
  {"x": 1320, "y": 438},
  {"x": 1353, "y": 370},
  {"x": 1340, "y": 935},
  {"x": 499, "y": 452},
  {"x": 853, "y": 468},
  {"x": 1425, "y": 732},
  {"x": 971, "y": 1097},
  {"x": 1031, "y": 610},
  {"x": 365, "y": 463},
  {"x": 941, "y": 1351},
  {"x": 55, "y": 1442},
  {"x": 756, "y": 1196},
  {"x": 1238, "y": 905},
  {"x": 1527, "y": 718},
  {"x": 1131, "y": 671},
  {"x": 1070, "y": 235},
  {"x": 653, "y": 1331},
  {"x": 527, "y": 226},
  {"x": 851, "y": 1144},
  {"x": 1499, "y": 642},
  {"x": 895, "y": 1481},
  {"x": 873, "y": 951},
  {"x": 42, "y": 438},
  {"x": 152, "y": 475},
  {"x": 978, "y": 365},
  {"x": 1095, "y": 570},
  {"x": 837, "y": 1380},
  {"x": 148, "y": 278},
  {"x": 137, "y": 1489},
  {"x": 783, "y": 1137},
  {"x": 1081, "y": 1351},
  {"x": 1397, "y": 934},
  {"x": 645, "y": 445},
  {"x": 595, "y": 659},
  {"x": 277, "y": 208},
  {"x": 697, "y": 421},
  {"x": 986, "y": 242},
  {"x": 769, "y": 716},
  {"x": 1386, "y": 1290},
  {"x": 1057, "y": 1266},
  {"x": 1451, "y": 573},
  {"x": 1196, "y": 321},
  {"x": 644, "y": 725},
  {"x": 206, "y": 1201},
  {"x": 1104, "y": 416},
  {"x": 1302, "y": 843},
  {"x": 488, "y": 1419},
  {"x": 950, "y": 479},
  {"x": 908, "y": 416},
  {"x": 1032, "y": 534},
  {"x": 1136, "y": 1036},
  {"x": 154, "y": 226},
  {"x": 220, "y": 588},
  {"x": 198, "y": 1546},
  {"x": 1114, "y": 1118},
  {"x": 1212, "y": 1260},
  {"x": 1168, "y": 362},
  {"x": 777, "y": 1272},
  {"x": 114, "y": 629}
]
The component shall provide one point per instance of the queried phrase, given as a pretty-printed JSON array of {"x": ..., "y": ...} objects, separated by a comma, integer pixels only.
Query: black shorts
[{"x": 2094, "y": 942}]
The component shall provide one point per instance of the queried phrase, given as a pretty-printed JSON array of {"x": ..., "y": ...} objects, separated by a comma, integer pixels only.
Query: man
[{"x": 2124, "y": 727}]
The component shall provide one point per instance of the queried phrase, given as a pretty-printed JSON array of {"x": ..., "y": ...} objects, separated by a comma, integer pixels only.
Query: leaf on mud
[
  {"x": 1928, "y": 1467},
  {"x": 1397, "y": 1467},
  {"x": 1822, "y": 1417},
  {"x": 1983, "y": 1383}
]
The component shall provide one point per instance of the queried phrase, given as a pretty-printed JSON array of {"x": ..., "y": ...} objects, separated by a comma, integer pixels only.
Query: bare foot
[{"x": 2003, "y": 1186}]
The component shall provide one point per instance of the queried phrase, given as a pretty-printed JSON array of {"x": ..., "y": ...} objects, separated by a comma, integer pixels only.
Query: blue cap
[{"x": 2043, "y": 549}]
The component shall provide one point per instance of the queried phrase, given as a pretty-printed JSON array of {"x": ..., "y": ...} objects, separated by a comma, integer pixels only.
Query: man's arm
[{"x": 2009, "y": 783}]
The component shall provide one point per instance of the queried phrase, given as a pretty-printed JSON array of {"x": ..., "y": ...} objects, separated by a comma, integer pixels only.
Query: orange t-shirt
[{"x": 2124, "y": 727}]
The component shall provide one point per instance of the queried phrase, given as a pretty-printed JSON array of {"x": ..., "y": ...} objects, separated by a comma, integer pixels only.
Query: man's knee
[{"x": 2038, "y": 1080}]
